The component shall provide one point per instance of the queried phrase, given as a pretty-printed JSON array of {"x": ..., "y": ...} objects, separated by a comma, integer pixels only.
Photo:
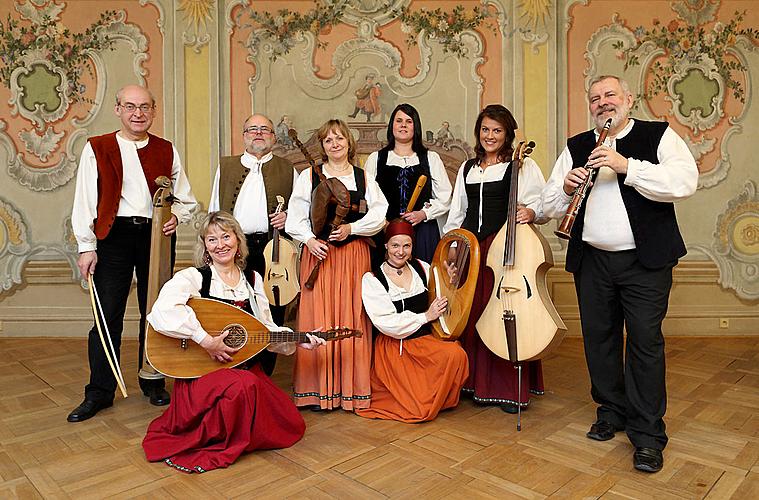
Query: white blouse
[
  {"x": 441, "y": 186},
  {"x": 298, "y": 223},
  {"x": 378, "y": 303},
  {"x": 530, "y": 185},
  {"x": 174, "y": 318}
]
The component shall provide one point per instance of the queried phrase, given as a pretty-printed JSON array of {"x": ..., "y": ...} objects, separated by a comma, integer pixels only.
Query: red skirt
[
  {"x": 214, "y": 419},
  {"x": 493, "y": 380}
]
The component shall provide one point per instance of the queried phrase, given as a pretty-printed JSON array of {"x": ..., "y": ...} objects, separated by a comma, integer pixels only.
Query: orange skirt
[
  {"x": 415, "y": 384},
  {"x": 335, "y": 375}
]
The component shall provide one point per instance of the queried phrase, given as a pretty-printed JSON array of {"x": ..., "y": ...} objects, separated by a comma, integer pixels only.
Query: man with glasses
[
  {"x": 111, "y": 219},
  {"x": 247, "y": 186}
]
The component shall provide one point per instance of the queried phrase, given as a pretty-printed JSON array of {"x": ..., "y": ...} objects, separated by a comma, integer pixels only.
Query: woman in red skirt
[
  {"x": 212, "y": 420},
  {"x": 479, "y": 204}
]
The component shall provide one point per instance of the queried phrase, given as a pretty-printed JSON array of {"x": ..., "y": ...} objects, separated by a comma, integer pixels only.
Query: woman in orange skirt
[
  {"x": 414, "y": 374},
  {"x": 335, "y": 375}
]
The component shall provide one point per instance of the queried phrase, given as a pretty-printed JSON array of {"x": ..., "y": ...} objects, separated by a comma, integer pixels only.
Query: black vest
[
  {"x": 658, "y": 242},
  {"x": 357, "y": 197},
  {"x": 495, "y": 203},
  {"x": 418, "y": 303},
  {"x": 266, "y": 358},
  {"x": 397, "y": 183}
]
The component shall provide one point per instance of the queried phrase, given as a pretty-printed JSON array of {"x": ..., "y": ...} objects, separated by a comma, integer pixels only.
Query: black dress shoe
[
  {"x": 648, "y": 459},
  {"x": 158, "y": 396},
  {"x": 511, "y": 408},
  {"x": 87, "y": 409},
  {"x": 602, "y": 430}
]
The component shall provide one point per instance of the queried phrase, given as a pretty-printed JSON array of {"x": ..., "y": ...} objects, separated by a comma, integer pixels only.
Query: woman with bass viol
[
  {"x": 213, "y": 419},
  {"x": 414, "y": 374},
  {"x": 336, "y": 375},
  {"x": 480, "y": 198}
]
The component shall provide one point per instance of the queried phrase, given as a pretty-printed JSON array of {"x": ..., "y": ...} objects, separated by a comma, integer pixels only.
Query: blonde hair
[
  {"x": 340, "y": 127},
  {"x": 226, "y": 222}
]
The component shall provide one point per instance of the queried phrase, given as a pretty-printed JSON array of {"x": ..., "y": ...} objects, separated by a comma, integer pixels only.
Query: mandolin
[
  {"x": 183, "y": 358},
  {"x": 281, "y": 276}
]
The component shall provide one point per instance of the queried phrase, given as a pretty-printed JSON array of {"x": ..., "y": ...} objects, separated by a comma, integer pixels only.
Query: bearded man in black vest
[
  {"x": 623, "y": 246},
  {"x": 246, "y": 186}
]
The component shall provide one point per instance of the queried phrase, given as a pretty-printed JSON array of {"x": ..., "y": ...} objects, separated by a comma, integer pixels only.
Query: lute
[{"x": 183, "y": 358}]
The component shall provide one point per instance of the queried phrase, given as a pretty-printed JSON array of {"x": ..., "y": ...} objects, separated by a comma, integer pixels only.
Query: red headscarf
[{"x": 398, "y": 226}]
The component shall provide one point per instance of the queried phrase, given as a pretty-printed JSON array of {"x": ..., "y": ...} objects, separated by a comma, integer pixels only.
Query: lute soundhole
[{"x": 237, "y": 337}]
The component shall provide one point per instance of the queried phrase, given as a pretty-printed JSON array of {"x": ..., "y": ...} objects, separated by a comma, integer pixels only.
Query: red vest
[{"x": 156, "y": 159}]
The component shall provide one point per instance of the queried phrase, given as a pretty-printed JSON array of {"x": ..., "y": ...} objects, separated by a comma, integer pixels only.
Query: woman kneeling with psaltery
[
  {"x": 212, "y": 420},
  {"x": 414, "y": 374}
]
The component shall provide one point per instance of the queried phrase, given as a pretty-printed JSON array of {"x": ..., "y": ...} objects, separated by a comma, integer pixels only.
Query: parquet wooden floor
[{"x": 468, "y": 452}]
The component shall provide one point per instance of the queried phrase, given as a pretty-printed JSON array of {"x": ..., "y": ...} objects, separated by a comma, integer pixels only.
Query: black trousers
[
  {"x": 616, "y": 292},
  {"x": 124, "y": 252},
  {"x": 256, "y": 262}
]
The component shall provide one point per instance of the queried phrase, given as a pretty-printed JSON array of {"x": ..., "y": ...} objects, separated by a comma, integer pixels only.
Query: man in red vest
[{"x": 111, "y": 219}]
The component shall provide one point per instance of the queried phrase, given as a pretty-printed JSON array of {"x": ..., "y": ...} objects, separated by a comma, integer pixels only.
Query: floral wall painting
[
  {"x": 53, "y": 76},
  {"x": 735, "y": 244},
  {"x": 690, "y": 69}
]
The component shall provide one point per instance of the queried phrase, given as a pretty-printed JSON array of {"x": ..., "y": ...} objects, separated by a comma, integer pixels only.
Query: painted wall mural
[
  {"x": 211, "y": 63},
  {"x": 693, "y": 63},
  {"x": 60, "y": 65}
]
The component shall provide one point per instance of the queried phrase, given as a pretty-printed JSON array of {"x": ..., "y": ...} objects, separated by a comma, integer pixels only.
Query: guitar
[
  {"x": 183, "y": 358},
  {"x": 281, "y": 277}
]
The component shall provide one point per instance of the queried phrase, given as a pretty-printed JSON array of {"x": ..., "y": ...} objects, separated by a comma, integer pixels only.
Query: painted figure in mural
[
  {"x": 414, "y": 374},
  {"x": 623, "y": 246},
  {"x": 282, "y": 131},
  {"x": 335, "y": 375},
  {"x": 397, "y": 166},
  {"x": 367, "y": 98},
  {"x": 247, "y": 186},
  {"x": 111, "y": 219},
  {"x": 443, "y": 134},
  {"x": 246, "y": 408},
  {"x": 480, "y": 196}
]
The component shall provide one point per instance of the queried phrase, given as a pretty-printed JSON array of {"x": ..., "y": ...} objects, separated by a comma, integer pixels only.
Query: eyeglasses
[
  {"x": 252, "y": 130},
  {"x": 131, "y": 108}
]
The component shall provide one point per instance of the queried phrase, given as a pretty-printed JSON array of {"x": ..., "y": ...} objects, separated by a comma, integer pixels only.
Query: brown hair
[
  {"x": 504, "y": 117},
  {"x": 337, "y": 126}
]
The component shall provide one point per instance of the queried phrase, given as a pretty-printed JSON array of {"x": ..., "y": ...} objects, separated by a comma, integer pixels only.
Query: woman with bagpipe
[
  {"x": 479, "y": 204},
  {"x": 397, "y": 167},
  {"x": 414, "y": 374},
  {"x": 213, "y": 419},
  {"x": 336, "y": 375}
]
